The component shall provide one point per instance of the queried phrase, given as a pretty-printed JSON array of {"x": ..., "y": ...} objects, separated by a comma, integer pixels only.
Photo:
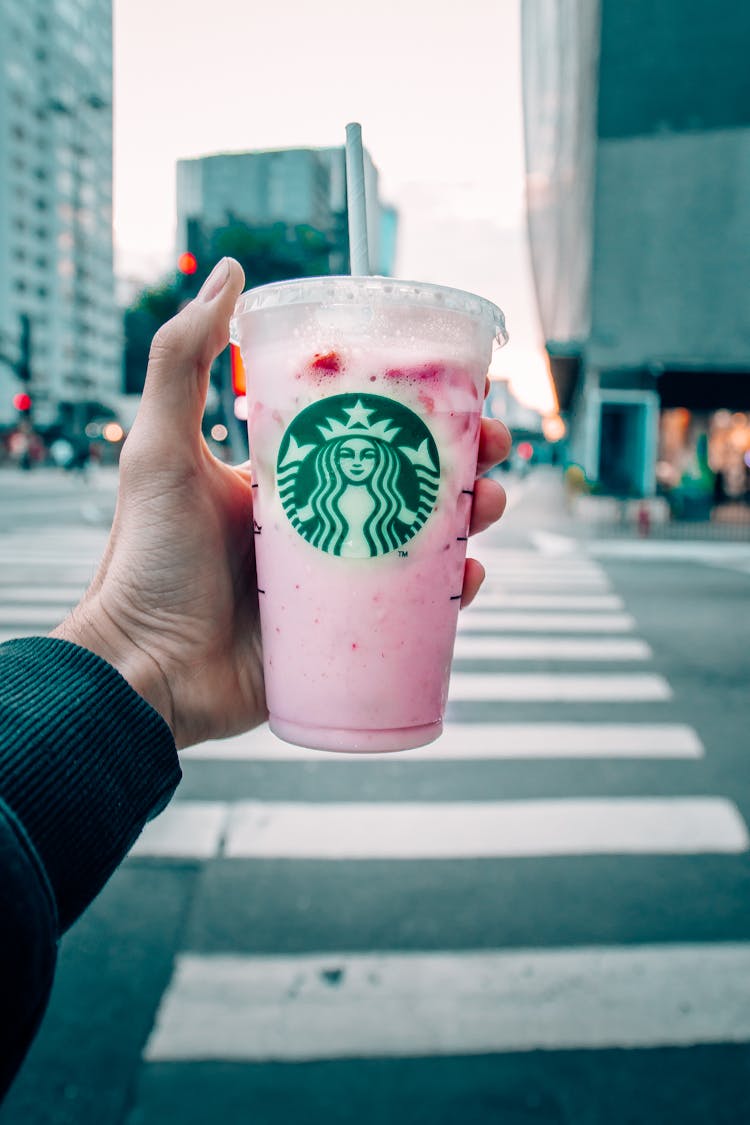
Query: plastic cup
[{"x": 364, "y": 399}]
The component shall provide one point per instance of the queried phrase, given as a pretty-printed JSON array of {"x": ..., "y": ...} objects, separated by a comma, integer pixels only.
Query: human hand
[
  {"x": 488, "y": 503},
  {"x": 174, "y": 605}
]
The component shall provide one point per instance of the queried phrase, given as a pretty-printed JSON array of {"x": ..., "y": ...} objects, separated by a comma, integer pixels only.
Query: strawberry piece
[{"x": 330, "y": 362}]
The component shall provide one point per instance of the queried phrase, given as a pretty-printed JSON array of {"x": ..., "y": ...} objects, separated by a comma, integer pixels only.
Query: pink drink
[{"x": 365, "y": 396}]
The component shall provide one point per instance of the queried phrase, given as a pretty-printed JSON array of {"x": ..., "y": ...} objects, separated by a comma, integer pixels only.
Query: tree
[{"x": 277, "y": 252}]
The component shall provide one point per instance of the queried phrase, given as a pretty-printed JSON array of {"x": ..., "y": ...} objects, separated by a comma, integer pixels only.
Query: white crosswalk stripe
[
  {"x": 471, "y": 647},
  {"x": 550, "y": 575},
  {"x": 568, "y": 602},
  {"x": 46, "y": 615},
  {"x": 563, "y": 687},
  {"x": 187, "y": 829},
  {"x": 43, "y": 575},
  {"x": 439, "y": 830},
  {"x": 38, "y": 595},
  {"x": 528, "y": 581},
  {"x": 348, "y": 1005},
  {"x": 495, "y": 621},
  {"x": 482, "y": 741}
]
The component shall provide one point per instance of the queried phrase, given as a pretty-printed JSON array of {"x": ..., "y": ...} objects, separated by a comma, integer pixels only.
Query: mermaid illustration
[{"x": 357, "y": 493}]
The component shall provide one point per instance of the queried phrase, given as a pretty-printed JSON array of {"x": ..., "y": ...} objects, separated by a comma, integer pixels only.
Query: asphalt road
[{"x": 545, "y": 919}]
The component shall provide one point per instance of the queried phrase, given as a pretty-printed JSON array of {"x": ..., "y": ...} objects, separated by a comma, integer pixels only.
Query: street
[{"x": 542, "y": 919}]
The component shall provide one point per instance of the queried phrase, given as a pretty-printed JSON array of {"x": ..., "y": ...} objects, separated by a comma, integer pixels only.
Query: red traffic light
[
  {"x": 22, "y": 402},
  {"x": 187, "y": 263},
  {"x": 239, "y": 380}
]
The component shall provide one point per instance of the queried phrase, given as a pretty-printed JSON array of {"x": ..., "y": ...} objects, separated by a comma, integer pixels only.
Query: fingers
[
  {"x": 495, "y": 444},
  {"x": 489, "y": 499},
  {"x": 183, "y": 350},
  {"x": 487, "y": 506},
  {"x": 473, "y": 579}
]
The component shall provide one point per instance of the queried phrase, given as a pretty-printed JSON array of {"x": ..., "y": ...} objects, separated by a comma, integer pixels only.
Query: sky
[{"x": 436, "y": 87}]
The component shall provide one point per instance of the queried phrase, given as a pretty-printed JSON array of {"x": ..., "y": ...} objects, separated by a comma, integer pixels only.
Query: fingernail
[{"x": 215, "y": 281}]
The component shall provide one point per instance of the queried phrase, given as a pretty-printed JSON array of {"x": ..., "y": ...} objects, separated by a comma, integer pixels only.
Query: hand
[
  {"x": 174, "y": 605},
  {"x": 489, "y": 499}
]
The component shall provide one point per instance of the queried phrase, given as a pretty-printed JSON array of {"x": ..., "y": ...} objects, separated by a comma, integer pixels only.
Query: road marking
[
  {"x": 462, "y": 741},
  {"x": 66, "y": 575},
  {"x": 186, "y": 829},
  {"x": 541, "y": 687},
  {"x": 360, "y": 1005},
  {"x": 487, "y": 600},
  {"x": 550, "y": 648},
  {"x": 39, "y": 595},
  {"x": 517, "y": 554},
  {"x": 47, "y": 615},
  {"x": 47, "y": 554},
  {"x": 557, "y": 546},
  {"x": 536, "y": 558},
  {"x": 492, "y": 829},
  {"x": 61, "y": 537},
  {"x": 669, "y": 550},
  {"x": 502, "y": 622},
  {"x": 498, "y": 579},
  {"x": 444, "y": 830},
  {"x": 738, "y": 567},
  {"x": 546, "y": 569}
]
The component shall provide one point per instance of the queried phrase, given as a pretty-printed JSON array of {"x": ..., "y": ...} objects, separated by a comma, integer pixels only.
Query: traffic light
[
  {"x": 187, "y": 275},
  {"x": 22, "y": 402},
  {"x": 187, "y": 264},
  {"x": 239, "y": 382}
]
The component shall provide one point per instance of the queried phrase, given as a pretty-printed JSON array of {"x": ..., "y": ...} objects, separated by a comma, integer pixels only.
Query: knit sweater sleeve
[{"x": 84, "y": 763}]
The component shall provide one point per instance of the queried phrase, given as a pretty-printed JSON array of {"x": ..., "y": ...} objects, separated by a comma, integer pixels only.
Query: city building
[
  {"x": 637, "y": 131},
  {"x": 295, "y": 186},
  {"x": 60, "y": 331}
]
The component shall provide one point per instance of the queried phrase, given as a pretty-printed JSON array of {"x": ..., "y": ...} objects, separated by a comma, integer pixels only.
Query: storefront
[{"x": 704, "y": 457}]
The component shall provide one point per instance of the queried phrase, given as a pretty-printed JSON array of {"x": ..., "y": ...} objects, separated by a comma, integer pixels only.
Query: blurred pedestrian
[
  {"x": 163, "y": 651},
  {"x": 574, "y": 480},
  {"x": 20, "y": 446}
]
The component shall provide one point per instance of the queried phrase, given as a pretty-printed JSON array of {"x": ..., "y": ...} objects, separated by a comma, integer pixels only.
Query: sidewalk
[{"x": 539, "y": 502}]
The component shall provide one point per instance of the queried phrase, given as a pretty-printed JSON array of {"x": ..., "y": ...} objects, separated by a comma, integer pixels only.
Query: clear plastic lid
[{"x": 332, "y": 291}]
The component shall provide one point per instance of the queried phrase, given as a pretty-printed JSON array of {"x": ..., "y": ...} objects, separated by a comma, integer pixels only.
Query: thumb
[{"x": 183, "y": 350}]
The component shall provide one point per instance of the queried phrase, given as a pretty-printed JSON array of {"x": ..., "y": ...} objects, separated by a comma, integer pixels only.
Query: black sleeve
[{"x": 84, "y": 763}]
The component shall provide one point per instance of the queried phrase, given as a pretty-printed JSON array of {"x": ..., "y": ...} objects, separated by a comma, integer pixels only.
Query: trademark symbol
[{"x": 403, "y": 554}]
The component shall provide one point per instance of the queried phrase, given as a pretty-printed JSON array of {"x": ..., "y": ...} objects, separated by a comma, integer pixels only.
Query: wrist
[{"x": 90, "y": 626}]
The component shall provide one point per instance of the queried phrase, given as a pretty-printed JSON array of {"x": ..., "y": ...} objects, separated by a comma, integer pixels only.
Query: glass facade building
[
  {"x": 295, "y": 186},
  {"x": 637, "y": 129},
  {"x": 56, "y": 251}
]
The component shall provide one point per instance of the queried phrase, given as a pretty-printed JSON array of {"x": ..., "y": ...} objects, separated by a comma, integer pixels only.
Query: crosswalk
[
  {"x": 549, "y": 674},
  {"x": 445, "y": 830},
  {"x": 306, "y": 1008},
  {"x": 43, "y": 574}
]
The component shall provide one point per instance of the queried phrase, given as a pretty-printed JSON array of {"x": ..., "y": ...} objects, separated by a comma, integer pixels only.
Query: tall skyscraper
[
  {"x": 56, "y": 252},
  {"x": 637, "y": 123},
  {"x": 296, "y": 186}
]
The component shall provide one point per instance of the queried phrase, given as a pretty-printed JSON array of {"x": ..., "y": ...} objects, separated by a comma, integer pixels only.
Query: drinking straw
[{"x": 359, "y": 258}]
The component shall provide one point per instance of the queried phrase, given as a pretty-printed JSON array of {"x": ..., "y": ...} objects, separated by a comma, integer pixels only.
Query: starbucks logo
[{"x": 358, "y": 475}]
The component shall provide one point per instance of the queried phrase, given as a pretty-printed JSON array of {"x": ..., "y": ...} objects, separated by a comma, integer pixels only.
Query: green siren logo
[{"x": 358, "y": 475}]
